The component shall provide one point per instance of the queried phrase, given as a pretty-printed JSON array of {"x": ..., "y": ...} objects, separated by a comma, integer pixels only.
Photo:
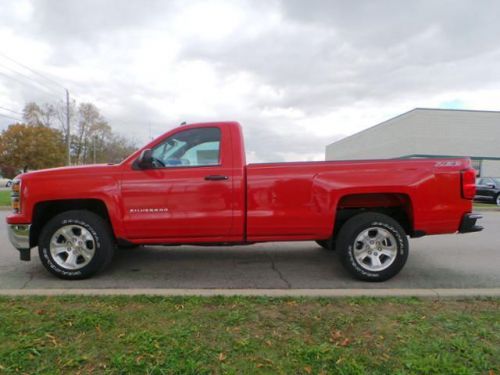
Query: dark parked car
[{"x": 488, "y": 190}]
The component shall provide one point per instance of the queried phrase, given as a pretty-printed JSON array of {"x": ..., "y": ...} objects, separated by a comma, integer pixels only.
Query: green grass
[
  {"x": 236, "y": 335},
  {"x": 5, "y": 198},
  {"x": 481, "y": 205}
]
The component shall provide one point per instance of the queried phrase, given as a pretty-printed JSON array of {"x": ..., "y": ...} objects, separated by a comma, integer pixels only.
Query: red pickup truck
[{"x": 193, "y": 186}]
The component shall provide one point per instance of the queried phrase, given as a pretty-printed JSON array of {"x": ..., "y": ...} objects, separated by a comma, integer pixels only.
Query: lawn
[
  {"x": 488, "y": 206},
  {"x": 4, "y": 198},
  {"x": 246, "y": 335}
]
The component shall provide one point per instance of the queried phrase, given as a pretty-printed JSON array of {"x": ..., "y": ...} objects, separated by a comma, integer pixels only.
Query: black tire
[
  {"x": 347, "y": 245},
  {"x": 103, "y": 243},
  {"x": 328, "y": 244},
  {"x": 497, "y": 200}
]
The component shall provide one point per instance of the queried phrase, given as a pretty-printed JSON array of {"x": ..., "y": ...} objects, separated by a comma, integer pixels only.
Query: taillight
[{"x": 468, "y": 183}]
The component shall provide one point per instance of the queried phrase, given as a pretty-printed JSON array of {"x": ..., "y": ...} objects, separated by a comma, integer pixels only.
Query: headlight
[{"x": 15, "y": 196}]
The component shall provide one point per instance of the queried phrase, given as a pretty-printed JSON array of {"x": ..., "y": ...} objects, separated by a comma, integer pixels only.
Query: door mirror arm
[{"x": 145, "y": 160}]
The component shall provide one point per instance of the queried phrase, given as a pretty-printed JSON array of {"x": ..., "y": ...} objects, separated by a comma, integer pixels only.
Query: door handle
[{"x": 216, "y": 177}]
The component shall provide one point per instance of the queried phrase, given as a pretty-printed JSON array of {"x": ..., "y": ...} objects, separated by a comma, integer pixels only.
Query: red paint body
[{"x": 258, "y": 202}]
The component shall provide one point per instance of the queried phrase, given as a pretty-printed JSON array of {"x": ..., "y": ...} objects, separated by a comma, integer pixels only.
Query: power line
[
  {"x": 32, "y": 70},
  {"x": 31, "y": 79},
  {"x": 11, "y": 117},
  {"x": 25, "y": 83},
  {"x": 52, "y": 81},
  {"x": 38, "y": 74},
  {"x": 10, "y": 110},
  {"x": 35, "y": 72}
]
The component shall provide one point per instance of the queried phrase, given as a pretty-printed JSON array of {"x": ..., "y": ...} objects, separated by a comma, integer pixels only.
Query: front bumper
[
  {"x": 468, "y": 223},
  {"x": 19, "y": 236}
]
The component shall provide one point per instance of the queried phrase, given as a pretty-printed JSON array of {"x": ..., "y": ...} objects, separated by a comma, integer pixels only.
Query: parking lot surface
[{"x": 447, "y": 261}]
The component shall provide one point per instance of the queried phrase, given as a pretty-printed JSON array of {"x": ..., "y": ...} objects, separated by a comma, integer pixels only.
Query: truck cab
[{"x": 187, "y": 186}]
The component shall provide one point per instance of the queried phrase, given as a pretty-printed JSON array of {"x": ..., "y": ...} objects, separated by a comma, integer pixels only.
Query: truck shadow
[{"x": 294, "y": 265}]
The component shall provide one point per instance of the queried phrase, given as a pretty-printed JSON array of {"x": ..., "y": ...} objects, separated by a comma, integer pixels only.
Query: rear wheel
[
  {"x": 372, "y": 246},
  {"x": 76, "y": 244}
]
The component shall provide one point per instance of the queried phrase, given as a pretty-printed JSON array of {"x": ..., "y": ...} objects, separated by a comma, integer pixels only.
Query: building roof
[{"x": 406, "y": 114}]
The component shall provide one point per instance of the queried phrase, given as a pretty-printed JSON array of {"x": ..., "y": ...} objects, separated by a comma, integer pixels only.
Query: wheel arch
[
  {"x": 46, "y": 210},
  {"x": 396, "y": 205}
]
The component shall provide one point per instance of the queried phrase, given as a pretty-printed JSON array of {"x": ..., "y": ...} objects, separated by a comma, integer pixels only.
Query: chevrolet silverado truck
[{"x": 193, "y": 186}]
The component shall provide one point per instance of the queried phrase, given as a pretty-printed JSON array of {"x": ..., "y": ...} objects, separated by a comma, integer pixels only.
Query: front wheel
[
  {"x": 497, "y": 200},
  {"x": 75, "y": 244},
  {"x": 372, "y": 246}
]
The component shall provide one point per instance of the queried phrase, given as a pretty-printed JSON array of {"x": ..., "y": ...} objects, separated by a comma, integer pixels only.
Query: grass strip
[
  {"x": 247, "y": 335},
  {"x": 5, "y": 198}
]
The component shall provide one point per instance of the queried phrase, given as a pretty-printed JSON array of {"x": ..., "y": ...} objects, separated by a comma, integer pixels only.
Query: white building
[{"x": 424, "y": 132}]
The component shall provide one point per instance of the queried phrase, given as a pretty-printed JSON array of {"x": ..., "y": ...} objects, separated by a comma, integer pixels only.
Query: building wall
[
  {"x": 490, "y": 168},
  {"x": 424, "y": 132},
  {"x": 431, "y": 132}
]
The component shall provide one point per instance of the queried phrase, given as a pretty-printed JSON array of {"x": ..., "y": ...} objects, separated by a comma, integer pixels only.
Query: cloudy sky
[{"x": 297, "y": 74}]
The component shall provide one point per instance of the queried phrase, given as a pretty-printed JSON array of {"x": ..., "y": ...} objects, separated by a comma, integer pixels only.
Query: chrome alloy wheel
[
  {"x": 72, "y": 247},
  {"x": 375, "y": 249},
  {"x": 498, "y": 200}
]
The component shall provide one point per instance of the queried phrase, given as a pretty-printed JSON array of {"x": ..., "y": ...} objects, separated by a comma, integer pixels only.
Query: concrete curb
[{"x": 425, "y": 293}]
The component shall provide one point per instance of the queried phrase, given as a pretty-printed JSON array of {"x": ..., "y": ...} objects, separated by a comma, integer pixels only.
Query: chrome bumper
[{"x": 19, "y": 236}]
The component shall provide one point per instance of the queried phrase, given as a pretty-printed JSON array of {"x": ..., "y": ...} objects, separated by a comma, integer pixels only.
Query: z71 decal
[{"x": 448, "y": 164}]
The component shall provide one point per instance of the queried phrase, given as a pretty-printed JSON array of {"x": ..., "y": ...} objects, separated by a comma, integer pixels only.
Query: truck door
[{"x": 188, "y": 192}]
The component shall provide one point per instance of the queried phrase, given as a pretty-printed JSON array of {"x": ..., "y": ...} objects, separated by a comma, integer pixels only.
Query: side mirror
[
  {"x": 491, "y": 186},
  {"x": 145, "y": 160}
]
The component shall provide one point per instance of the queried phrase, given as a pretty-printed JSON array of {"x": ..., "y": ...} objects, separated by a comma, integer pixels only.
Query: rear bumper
[
  {"x": 19, "y": 236},
  {"x": 468, "y": 223}
]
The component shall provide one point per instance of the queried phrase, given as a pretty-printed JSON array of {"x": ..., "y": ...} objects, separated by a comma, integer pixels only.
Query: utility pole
[
  {"x": 68, "y": 139},
  {"x": 95, "y": 141}
]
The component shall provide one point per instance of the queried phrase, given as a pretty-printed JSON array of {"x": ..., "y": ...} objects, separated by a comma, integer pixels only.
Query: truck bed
[{"x": 298, "y": 200}]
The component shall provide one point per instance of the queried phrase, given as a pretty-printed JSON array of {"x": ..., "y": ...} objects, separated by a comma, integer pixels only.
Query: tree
[
  {"x": 118, "y": 148},
  {"x": 34, "y": 146},
  {"x": 92, "y": 139},
  {"x": 45, "y": 115},
  {"x": 92, "y": 131}
]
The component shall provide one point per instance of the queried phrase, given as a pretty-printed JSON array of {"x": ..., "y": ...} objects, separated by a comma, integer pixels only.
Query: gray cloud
[
  {"x": 331, "y": 53},
  {"x": 84, "y": 20}
]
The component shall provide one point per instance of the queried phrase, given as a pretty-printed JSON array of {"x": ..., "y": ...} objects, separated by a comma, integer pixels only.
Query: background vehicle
[
  {"x": 488, "y": 190},
  {"x": 193, "y": 186},
  {"x": 5, "y": 182}
]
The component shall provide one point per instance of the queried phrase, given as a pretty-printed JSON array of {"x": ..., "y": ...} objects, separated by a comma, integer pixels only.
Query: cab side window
[{"x": 190, "y": 148}]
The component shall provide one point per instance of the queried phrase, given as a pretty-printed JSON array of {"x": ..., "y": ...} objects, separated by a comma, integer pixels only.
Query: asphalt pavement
[{"x": 470, "y": 261}]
